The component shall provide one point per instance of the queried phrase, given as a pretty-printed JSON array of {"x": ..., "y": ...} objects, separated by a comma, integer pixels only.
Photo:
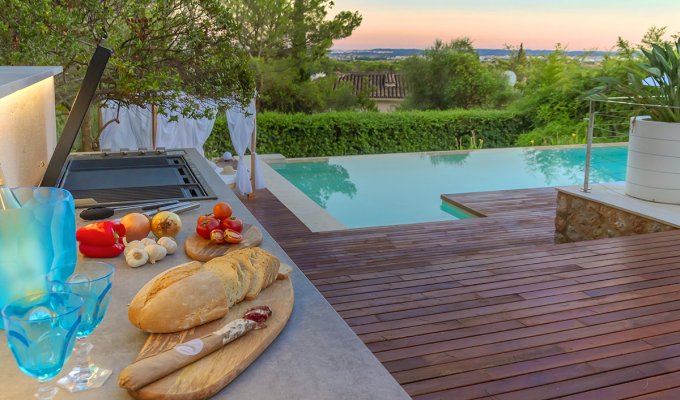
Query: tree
[
  {"x": 451, "y": 76},
  {"x": 164, "y": 50}
]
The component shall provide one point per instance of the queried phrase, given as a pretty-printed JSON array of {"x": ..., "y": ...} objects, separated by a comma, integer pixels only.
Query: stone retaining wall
[{"x": 578, "y": 219}]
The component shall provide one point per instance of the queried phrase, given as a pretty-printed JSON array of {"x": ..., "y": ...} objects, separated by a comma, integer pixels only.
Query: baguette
[
  {"x": 234, "y": 278},
  {"x": 192, "y": 294},
  {"x": 179, "y": 298}
]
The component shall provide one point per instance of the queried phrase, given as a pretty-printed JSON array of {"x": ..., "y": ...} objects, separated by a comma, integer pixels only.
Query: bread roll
[
  {"x": 269, "y": 263},
  {"x": 177, "y": 299},
  {"x": 192, "y": 294},
  {"x": 235, "y": 280}
]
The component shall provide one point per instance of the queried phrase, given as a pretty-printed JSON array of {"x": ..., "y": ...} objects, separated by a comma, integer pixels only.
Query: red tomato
[
  {"x": 217, "y": 236},
  {"x": 206, "y": 226},
  {"x": 203, "y": 217},
  {"x": 232, "y": 236},
  {"x": 222, "y": 210},
  {"x": 232, "y": 223}
]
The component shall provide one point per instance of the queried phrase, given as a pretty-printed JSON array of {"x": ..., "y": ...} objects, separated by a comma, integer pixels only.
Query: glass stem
[
  {"x": 83, "y": 364},
  {"x": 46, "y": 391}
]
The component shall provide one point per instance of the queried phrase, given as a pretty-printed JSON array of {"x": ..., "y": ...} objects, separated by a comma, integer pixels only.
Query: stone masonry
[{"x": 578, "y": 219}]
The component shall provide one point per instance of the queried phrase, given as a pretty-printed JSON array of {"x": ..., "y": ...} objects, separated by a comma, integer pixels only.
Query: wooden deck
[{"x": 490, "y": 308}]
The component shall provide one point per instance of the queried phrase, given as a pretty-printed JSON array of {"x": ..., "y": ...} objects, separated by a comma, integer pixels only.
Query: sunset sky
[{"x": 539, "y": 24}]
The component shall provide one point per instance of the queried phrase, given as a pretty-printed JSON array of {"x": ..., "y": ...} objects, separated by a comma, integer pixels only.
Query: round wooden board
[
  {"x": 209, "y": 375},
  {"x": 204, "y": 250}
]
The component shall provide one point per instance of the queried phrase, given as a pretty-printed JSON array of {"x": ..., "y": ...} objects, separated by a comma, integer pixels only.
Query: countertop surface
[
  {"x": 13, "y": 78},
  {"x": 316, "y": 356}
]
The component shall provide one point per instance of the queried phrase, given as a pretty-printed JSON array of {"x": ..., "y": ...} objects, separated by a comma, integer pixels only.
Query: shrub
[{"x": 347, "y": 133}]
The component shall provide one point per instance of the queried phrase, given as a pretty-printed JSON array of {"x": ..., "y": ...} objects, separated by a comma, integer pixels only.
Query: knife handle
[{"x": 147, "y": 370}]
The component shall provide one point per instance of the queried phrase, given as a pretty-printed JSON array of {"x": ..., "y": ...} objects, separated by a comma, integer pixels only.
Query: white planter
[{"x": 653, "y": 171}]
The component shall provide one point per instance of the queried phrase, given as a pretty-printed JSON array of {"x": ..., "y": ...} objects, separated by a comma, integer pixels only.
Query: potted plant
[{"x": 653, "y": 87}]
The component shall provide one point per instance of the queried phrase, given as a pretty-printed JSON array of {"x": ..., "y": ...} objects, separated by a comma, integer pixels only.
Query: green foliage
[
  {"x": 451, "y": 76},
  {"x": 554, "y": 134},
  {"x": 281, "y": 92},
  {"x": 661, "y": 99},
  {"x": 345, "y": 133},
  {"x": 149, "y": 65}
]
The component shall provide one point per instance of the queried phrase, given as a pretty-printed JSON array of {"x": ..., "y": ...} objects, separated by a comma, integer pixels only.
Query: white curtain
[
  {"x": 241, "y": 125},
  {"x": 134, "y": 129}
]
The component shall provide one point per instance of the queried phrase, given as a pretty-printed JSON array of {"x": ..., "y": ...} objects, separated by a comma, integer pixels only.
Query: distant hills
[{"x": 387, "y": 54}]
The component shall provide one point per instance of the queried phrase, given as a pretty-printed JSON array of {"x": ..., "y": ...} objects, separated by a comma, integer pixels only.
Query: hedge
[{"x": 346, "y": 133}]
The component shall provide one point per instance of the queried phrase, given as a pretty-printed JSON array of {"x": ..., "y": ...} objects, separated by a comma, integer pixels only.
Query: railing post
[{"x": 589, "y": 147}]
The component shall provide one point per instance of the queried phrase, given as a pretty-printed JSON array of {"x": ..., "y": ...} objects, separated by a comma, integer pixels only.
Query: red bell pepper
[{"x": 101, "y": 239}]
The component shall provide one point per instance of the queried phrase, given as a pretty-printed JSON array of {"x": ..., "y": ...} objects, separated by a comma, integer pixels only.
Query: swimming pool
[{"x": 392, "y": 189}]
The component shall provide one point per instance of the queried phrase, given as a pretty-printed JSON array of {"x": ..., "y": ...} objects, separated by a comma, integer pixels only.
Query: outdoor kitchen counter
[{"x": 316, "y": 356}]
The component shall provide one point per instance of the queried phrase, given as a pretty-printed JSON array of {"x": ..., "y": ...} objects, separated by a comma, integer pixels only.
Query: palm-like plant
[{"x": 653, "y": 84}]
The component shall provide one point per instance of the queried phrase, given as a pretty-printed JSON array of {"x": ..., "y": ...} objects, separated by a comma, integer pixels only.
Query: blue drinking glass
[
  {"x": 92, "y": 281},
  {"x": 41, "y": 330},
  {"x": 35, "y": 238}
]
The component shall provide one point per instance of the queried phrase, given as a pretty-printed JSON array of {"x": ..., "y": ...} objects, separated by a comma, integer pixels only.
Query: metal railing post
[{"x": 589, "y": 147}]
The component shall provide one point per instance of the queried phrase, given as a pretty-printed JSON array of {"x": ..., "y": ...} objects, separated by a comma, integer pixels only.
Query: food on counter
[
  {"x": 136, "y": 257},
  {"x": 205, "y": 225},
  {"x": 148, "y": 241},
  {"x": 137, "y": 226},
  {"x": 169, "y": 244},
  {"x": 177, "y": 299},
  {"x": 232, "y": 236},
  {"x": 222, "y": 210},
  {"x": 101, "y": 239},
  {"x": 166, "y": 223},
  {"x": 135, "y": 244},
  {"x": 232, "y": 223},
  {"x": 156, "y": 252},
  {"x": 139, "y": 252},
  {"x": 217, "y": 236},
  {"x": 193, "y": 294},
  {"x": 150, "y": 369}
]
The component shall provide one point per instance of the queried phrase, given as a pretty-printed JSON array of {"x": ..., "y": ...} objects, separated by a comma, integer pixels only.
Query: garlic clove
[
  {"x": 148, "y": 241},
  {"x": 136, "y": 257},
  {"x": 169, "y": 244},
  {"x": 156, "y": 252},
  {"x": 135, "y": 244}
]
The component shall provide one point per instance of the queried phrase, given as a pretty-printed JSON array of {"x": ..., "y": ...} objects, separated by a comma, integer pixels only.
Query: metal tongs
[{"x": 151, "y": 209}]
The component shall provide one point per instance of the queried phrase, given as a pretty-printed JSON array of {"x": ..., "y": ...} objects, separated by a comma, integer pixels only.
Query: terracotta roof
[{"x": 385, "y": 85}]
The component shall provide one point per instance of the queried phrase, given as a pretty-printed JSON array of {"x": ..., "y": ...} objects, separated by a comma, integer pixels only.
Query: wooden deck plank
[{"x": 490, "y": 308}]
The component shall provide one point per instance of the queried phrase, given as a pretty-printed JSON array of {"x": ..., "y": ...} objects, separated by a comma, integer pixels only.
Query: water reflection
[
  {"x": 448, "y": 159},
  {"x": 569, "y": 164},
  {"x": 320, "y": 180}
]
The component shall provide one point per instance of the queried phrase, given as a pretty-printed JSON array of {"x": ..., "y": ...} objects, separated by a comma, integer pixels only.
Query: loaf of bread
[
  {"x": 192, "y": 294},
  {"x": 179, "y": 298}
]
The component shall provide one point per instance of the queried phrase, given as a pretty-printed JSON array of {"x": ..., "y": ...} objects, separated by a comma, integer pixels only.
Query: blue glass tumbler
[
  {"x": 35, "y": 239},
  {"x": 92, "y": 280},
  {"x": 41, "y": 331}
]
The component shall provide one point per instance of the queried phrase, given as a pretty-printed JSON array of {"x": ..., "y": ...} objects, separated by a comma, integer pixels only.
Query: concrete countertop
[
  {"x": 16, "y": 78},
  {"x": 317, "y": 356}
]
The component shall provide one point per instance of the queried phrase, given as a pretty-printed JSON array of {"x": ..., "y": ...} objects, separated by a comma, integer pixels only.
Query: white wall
[{"x": 27, "y": 133}]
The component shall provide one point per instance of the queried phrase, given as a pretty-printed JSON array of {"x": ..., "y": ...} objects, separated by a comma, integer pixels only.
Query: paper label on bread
[{"x": 193, "y": 294}]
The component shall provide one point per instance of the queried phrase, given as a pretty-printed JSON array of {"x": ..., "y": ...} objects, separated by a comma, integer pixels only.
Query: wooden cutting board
[
  {"x": 204, "y": 250},
  {"x": 209, "y": 375}
]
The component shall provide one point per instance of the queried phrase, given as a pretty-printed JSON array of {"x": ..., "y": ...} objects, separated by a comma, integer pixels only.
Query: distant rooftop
[{"x": 381, "y": 85}]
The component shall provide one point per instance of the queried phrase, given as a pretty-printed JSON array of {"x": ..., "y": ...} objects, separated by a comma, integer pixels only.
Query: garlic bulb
[
  {"x": 148, "y": 241},
  {"x": 136, "y": 257},
  {"x": 169, "y": 244},
  {"x": 135, "y": 244},
  {"x": 156, "y": 252}
]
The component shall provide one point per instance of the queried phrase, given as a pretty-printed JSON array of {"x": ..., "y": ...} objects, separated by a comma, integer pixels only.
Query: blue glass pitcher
[{"x": 34, "y": 239}]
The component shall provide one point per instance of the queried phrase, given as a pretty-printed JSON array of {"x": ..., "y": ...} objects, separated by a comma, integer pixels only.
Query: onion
[
  {"x": 137, "y": 226},
  {"x": 166, "y": 223}
]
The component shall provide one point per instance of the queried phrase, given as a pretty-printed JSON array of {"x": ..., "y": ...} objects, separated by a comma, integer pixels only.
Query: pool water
[{"x": 392, "y": 189}]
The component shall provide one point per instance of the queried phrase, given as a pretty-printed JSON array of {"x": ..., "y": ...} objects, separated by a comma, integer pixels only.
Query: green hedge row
[{"x": 345, "y": 133}]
